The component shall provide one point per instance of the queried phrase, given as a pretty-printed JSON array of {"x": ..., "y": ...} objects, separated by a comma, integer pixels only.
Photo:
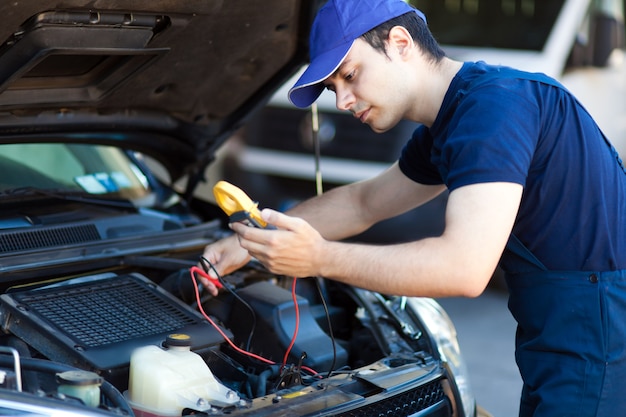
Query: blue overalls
[{"x": 571, "y": 337}]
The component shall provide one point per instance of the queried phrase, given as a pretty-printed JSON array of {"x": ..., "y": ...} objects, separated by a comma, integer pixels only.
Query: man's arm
[
  {"x": 460, "y": 262},
  {"x": 339, "y": 213},
  {"x": 351, "y": 209}
]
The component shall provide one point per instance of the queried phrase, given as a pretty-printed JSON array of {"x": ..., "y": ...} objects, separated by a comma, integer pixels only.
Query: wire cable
[
  {"x": 224, "y": 336},
  {"x": 294, "y": 297},
  {"x": 219, "y": 330},
  {"x": 330, "y": 326},
  {"x": 206, "y": 264},
  {"x": 315, "y": 128}
]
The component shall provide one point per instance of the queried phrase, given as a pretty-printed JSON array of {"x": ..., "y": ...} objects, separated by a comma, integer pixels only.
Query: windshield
[
  {"x": 507, "y": 24},
  {"x": 93, "y": 169}
]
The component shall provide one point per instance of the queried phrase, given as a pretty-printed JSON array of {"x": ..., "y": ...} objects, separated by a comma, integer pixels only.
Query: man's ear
[{"x": 401, "y": 41}]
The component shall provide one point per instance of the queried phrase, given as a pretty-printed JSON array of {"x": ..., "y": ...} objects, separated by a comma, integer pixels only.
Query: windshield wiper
[{"x": 68, "y": 195}]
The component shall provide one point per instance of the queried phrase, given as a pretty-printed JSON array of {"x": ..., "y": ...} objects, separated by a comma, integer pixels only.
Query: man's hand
[
  {"x": 226, "y": 255},
  {"x": 292, "y": 249}
]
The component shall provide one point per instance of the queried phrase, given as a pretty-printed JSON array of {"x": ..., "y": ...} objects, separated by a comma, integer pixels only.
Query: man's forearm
[
  {"x": 333, "y": 214},
  {"x": 351, "y": 209},
  {"x": 415, "y": 269}
]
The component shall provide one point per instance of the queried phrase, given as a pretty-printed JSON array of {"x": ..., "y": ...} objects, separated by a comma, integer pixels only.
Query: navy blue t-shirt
[{"x": 497, "y": 125}]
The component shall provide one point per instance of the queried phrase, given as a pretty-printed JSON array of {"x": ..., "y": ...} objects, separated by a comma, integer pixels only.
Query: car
[
  {"x": 281, "y": 156},
  {"x": 111, "y": 114}
]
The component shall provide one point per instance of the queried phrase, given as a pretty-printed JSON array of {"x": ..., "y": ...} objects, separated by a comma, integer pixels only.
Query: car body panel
[{"x": 131, "y": 68}]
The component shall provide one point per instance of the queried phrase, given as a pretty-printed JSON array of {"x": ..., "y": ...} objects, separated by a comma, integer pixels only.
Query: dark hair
[{"x": 415, "y": 26}]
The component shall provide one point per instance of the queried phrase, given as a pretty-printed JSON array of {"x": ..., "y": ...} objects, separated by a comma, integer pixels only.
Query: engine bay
[{"x": 264, "y": 339}]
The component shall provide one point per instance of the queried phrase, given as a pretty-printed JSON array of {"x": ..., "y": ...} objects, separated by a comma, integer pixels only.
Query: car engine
[{"x": 95, "y": 310}]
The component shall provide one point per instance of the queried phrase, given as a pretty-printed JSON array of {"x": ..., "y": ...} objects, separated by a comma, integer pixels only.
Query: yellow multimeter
[{"x": 237, "y": 205}]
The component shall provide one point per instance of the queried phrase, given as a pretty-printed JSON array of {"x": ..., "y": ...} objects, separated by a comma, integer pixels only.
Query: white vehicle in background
[
  {"x": 579, "y": 42},
  {"x": 546, "y": 36}
]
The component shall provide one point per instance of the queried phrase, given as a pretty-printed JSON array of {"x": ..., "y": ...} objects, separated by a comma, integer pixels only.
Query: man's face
[{"x": 369, "y": 84}]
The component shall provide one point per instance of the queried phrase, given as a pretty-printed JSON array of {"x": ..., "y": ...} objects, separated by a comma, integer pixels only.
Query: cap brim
[{"x": 309, "y": 86}]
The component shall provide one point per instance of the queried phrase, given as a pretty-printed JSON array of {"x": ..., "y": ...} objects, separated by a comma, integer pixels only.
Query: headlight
[{"x": 443, "y": 332}]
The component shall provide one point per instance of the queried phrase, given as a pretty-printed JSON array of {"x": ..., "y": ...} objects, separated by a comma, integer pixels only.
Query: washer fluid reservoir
[{"x": 163, "y": 382}]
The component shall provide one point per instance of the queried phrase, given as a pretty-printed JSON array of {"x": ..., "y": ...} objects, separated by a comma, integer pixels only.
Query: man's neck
[{"x": 442, "y": 75}]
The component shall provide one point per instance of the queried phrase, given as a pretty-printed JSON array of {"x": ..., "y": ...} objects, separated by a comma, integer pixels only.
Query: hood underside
[{"x": 169, "y": 78}]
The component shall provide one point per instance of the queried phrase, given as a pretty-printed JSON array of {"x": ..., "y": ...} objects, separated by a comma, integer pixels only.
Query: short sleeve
[
  {"x": 491, "y": 137},
  {"x": 488, "y": 135}
]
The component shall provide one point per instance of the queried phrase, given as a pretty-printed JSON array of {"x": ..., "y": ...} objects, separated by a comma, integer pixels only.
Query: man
[{"x": 533, "y": 185}]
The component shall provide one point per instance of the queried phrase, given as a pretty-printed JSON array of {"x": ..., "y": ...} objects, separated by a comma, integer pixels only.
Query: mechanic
[{"x": 534, "y": 185}]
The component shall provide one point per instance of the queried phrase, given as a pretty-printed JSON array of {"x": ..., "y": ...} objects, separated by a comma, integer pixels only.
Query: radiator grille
[
  {"x": 109, "y": 312},
  {"x": 100, "y": 322},
  {"x": 32, "y": 239},
  {"x": 404, "y": 404}
]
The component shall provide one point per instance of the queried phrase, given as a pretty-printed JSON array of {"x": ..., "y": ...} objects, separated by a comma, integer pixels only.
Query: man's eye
[
  {"x": 349, "y": 76},
  {"x": 330, "y": 88}
]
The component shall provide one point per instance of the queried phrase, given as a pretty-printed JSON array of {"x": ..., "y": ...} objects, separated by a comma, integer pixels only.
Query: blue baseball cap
[{"x": 335, "y": 28}]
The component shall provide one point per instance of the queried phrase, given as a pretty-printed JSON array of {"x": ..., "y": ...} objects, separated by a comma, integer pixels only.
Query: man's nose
[{"x": 344, "y": 99}]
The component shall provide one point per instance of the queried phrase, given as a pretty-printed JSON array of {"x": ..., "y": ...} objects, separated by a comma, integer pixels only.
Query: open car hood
[{"x": 170, "y": 78}]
